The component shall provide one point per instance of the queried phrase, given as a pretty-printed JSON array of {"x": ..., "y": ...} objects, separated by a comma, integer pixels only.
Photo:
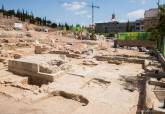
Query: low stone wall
[
  {"x": 150, "y": 96},
  {"x": 125, "y": 59},
  {"x": 59, "y": 52},
  {"x": 152, "y": 101},
  {"x": 31, "y": 70},
  {"x": 22, "y": 68},
  {"x": 70, "y": 55}
]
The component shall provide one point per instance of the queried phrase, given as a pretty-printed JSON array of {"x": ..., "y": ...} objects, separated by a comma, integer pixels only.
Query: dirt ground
[
  {"x": 103, "y": 97},
  {"x": 99, "y": 88}
]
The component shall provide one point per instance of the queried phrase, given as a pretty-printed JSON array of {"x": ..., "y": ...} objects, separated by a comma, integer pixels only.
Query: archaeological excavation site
[
  {"x": 49, "y": 68},
  {"x": 71, "y": 76}
]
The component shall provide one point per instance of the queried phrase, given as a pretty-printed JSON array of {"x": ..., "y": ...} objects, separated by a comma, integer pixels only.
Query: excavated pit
[
  {"x": 130, "y": 83},
  {"x": 57, "y": 105},
  {"x": 97, "y": 83},
  {"x": 60, "y": 102},
  {"x": 47, "y": 68},
  {"x": 78, "y": 98}
]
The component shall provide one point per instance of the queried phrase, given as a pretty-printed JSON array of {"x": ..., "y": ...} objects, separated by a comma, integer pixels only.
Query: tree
[
  {"x": 161, "y": 25},
  {"x": 67, "y": 26},
  {"x": 32, "y": 20},
  {"x": 59, "y": 25},
  {"x": 18, "y": 14},
  {"x": 38, "y": 20},
  {"x": 54, "y": 25},
  {"x": 3, "y": 8},
  {"x": 23, "y": 15},
  {"x": 71, "y": 27},
  {"x": 10, "y": 13},
  {"x": 159, "y": 31},
  {"x": 48, "y": 23},
  {"x": 44, "y": 22},
  {"x": 128, "y": 27},
  {"x": 26, "y": 15},
  {"x": 78, "y": 28}
]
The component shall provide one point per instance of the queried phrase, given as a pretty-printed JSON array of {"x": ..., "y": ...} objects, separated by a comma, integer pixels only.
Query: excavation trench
[
  {"x": 141, "y": 107},
  {"x": 65, "y": 95},
  {"x": 78, "y": 98},
  {"x": 137, "y": 83}
]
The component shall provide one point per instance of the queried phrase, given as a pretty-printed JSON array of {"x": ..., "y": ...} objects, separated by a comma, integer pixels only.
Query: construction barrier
[
  {"x": 133, "y": 36},
  {"x": 138, "y": 39}
]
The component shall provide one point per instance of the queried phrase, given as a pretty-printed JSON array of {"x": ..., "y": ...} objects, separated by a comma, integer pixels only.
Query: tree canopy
[{"x": 159, "y": 31}]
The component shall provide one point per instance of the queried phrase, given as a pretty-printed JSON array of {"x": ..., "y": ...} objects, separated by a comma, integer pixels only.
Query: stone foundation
[{"x": 31, "y": 67}]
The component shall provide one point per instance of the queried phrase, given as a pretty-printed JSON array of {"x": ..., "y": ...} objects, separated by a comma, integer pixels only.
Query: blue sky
[{"x": 78, "y": 12}]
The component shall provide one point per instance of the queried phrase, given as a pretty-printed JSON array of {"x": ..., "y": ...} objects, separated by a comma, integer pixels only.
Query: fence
[
  {"x": 139, "y": 39},
  {"x": 133, "y": 36}
]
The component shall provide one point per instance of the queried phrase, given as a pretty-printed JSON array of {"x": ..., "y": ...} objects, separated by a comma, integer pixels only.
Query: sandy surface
[
  {"x": 97, "y": 89},
  {"x": 104, "y": 98}
]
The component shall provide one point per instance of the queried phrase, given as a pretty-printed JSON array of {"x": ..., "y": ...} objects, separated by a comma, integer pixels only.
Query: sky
[{"x": 79, "y": 11}]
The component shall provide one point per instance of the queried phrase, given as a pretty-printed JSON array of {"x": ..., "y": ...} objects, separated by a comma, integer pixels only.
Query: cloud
[
  {"x": 139, "y": 1},
  {"x": 74, "y": 5},
  {"x": 78, "y": 8},
  {"x": 136, "y": 14}
]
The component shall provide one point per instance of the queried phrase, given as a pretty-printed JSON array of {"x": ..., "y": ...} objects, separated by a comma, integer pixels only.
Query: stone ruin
[
  {"x": 40, "y": 69},
  {"x": 40, "y": 49}
]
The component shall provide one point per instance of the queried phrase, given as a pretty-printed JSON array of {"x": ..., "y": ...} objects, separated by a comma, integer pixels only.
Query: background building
[
  {"x": 139, "y": 27},
  {"x": 115, "y": 27},
  {"x": 151, "y": 19}
]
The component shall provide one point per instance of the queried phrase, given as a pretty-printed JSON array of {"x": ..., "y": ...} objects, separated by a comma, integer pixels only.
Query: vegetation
[
  {"x": 128, "y": 27},
  {"x": 161, "y": 25},
  {"x": 25, "y": 16},
  {"x": 159, "y": 31}
]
